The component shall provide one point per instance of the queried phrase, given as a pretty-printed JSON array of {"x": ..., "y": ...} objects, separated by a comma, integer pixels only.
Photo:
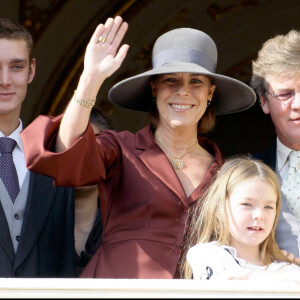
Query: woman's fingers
[
  {"x": 112, "y": 32},
  {"x": 102, "y": 31},
  {"x": 104, "y": 54},
  {"x": 291, "y": 257},
  {"x": 117, "y": 22},
  {"x": 120, "y": 34},
  {"x": 104, "y": 35},
  {"x": 97, "y": 33},
  {"x": 297, "y": 260},
  {"x": 121, "y": 54}
]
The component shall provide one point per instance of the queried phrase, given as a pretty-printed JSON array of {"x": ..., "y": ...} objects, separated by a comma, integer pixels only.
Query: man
[
  {"x": 276, "y": 79},
  {"x": 37, "y": 227}
]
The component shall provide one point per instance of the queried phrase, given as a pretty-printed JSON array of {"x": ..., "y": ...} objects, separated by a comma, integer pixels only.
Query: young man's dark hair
[{"x": 37, "y": 222}]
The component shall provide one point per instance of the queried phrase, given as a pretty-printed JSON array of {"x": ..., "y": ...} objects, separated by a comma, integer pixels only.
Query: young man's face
[
  {"x": 283, "y": 104},
  {"x": 16, "y": 72}
]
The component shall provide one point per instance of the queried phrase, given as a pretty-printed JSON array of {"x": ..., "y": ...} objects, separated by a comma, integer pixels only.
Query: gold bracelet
[{"x": 83, "y": 102}]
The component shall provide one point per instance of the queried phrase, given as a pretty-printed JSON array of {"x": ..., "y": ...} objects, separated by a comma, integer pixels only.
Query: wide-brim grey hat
[{"x": 183, "y": 50}]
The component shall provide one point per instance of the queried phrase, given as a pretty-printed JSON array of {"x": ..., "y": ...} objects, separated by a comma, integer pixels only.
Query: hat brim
[{"x": 135, "y": 93}]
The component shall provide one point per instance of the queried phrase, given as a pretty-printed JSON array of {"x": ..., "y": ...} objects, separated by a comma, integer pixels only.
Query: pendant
[{"x": 177, "y": 164}]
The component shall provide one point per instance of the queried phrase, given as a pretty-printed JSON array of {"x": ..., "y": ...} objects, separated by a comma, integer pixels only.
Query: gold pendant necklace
[{"x": 176, "y": 163}]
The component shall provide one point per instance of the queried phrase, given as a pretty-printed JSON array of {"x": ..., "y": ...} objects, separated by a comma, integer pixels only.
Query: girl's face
[
  {"x": 251, "y": 210},
  {"x": 181, "y": 98}
]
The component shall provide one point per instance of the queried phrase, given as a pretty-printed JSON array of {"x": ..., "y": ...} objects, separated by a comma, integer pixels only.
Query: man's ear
[
  {"x": 264, "y": 104},
  {"x": 32, "y": 67}
]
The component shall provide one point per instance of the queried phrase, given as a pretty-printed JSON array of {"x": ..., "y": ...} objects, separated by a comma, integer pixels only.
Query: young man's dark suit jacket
[
  {"x": 268, "y": 156},
  {"x": 288, "y": 228},
  {"x": 46, "y": 247}
]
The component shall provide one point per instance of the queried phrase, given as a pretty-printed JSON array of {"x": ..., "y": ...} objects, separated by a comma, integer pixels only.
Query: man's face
[
  {"x": 285, "y": 114},
  {"x": 16, "y": 72}
]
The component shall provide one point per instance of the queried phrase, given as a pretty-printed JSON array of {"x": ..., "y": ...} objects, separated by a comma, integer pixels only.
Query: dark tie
[{"x": 8, "y": 171}]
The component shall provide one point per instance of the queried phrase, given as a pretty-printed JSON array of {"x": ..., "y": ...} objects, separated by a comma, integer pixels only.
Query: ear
[
  {"x": 211, "y": 91},
  {"x": 32, "y": 67},
  {"x": 153, "y": 87},
  {"x": 264, "y": 104}
]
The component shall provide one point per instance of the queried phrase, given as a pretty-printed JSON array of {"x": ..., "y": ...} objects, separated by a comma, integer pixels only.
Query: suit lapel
[
  {"x": 5, "y": 238},
  {"x": 39, "y": 200}
]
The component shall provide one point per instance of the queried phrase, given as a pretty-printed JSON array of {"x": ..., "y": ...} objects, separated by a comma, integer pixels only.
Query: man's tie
[
  {"x": 8, "y": 171},
  {"x": 290, "y": 187}
]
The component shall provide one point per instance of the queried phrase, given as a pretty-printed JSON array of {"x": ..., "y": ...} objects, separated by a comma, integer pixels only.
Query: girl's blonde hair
[{"x": 208, "y": 218}]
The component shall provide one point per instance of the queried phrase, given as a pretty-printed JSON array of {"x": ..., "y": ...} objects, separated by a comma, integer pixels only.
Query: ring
[{"x": 102, "y": 39}]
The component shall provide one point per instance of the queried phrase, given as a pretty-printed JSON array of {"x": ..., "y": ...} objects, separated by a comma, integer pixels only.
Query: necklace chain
[{"x": 177, "y": 163}]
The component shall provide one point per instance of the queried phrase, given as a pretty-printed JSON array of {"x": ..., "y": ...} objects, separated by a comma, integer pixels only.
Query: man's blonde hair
[{"x": 278, "y": 56}]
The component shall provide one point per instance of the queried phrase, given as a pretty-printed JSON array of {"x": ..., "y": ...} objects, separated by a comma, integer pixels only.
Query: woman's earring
[
  {"x": 154, "y": 100},
  {"x": 208, "y": 103}
]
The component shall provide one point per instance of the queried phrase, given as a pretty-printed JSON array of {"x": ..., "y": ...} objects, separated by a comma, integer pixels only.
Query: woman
[{"x": 147, "y": 181}]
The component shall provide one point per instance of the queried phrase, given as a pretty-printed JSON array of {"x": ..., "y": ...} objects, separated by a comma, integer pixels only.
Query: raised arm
[{"x": 102, "y": 58}]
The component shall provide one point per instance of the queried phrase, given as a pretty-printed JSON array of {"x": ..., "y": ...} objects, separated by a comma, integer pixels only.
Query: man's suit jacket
[
  {"x": 288, "y": 228},
  {"x": 46, "y": 247}
]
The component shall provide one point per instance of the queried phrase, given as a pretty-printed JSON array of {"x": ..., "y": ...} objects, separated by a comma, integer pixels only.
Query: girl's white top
[{"x": 213, "y": 261}]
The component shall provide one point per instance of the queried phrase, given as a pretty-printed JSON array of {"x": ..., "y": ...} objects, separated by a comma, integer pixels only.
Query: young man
[
  {"x": 37, "y": 227},
  {"x": 276, "y": 79}
]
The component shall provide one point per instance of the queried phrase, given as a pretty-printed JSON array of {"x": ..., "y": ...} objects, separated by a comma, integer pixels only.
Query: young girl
[{"x": 232, "y": 233}]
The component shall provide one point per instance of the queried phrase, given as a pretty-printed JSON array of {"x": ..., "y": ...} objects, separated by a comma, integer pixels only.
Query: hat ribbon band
[{"x": 184, "y": 55}]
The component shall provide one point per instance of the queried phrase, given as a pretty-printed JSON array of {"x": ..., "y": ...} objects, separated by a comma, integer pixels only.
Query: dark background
[{"x": 62, "y": 29}]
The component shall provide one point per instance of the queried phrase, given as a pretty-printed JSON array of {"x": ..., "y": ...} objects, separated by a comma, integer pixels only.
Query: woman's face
[{"x": 181, "y": 98}]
